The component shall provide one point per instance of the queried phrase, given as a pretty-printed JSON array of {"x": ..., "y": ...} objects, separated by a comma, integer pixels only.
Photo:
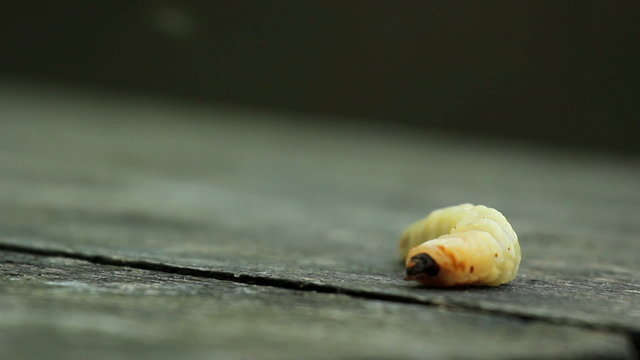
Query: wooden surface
[
  {"x": 74, "y": 307},
  {"x": 166, "y": 229}
]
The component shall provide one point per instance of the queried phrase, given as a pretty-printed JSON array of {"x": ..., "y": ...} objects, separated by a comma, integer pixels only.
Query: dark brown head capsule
[{"x": 422, "y": 264}]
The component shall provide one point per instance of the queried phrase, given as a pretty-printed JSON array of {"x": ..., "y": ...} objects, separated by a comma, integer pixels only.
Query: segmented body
[{"x": 471, "y": 245}]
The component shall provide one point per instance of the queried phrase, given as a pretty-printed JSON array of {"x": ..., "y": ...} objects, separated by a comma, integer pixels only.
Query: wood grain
[
  {"x": 282, "y": 197},
  {"x": 72, "y": 308}
]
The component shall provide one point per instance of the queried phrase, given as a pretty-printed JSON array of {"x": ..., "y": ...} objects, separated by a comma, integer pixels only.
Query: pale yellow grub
[{"x": 470, "y": 245}]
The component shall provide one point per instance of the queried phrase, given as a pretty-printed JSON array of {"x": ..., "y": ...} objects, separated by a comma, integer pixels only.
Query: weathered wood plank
[
  {"x": 72, "y": 308},
  {"x": 268, "y": 195}
]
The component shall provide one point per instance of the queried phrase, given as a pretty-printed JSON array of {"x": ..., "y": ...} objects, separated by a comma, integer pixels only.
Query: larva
[{"x": 461, "y": 245}]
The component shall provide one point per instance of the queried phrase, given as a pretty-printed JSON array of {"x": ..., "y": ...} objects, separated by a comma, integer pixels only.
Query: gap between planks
[{"x": 633, "y": 335}]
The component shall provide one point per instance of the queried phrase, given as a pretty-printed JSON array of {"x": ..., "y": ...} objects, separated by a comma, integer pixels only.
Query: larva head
[
  {"x": 432, "y": 265},
  {"x": 422, "y": 265}
]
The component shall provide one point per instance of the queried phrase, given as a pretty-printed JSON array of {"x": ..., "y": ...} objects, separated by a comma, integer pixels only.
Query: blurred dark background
[{"x": 557, "y": 72}]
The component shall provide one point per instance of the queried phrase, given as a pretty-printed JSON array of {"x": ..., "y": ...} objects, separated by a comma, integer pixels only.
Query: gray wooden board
[
  {"x": 58, "y": 308},
  {"x": 287, "y": 197}
]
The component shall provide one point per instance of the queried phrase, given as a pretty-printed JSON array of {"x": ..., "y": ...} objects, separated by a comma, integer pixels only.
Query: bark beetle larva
[{"x": 461, "y": 245}]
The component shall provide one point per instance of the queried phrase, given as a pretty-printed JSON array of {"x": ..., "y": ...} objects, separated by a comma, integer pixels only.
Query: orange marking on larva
[
  {"x": 451, "y": 256},
  {"x": 454, "y": 260}
]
